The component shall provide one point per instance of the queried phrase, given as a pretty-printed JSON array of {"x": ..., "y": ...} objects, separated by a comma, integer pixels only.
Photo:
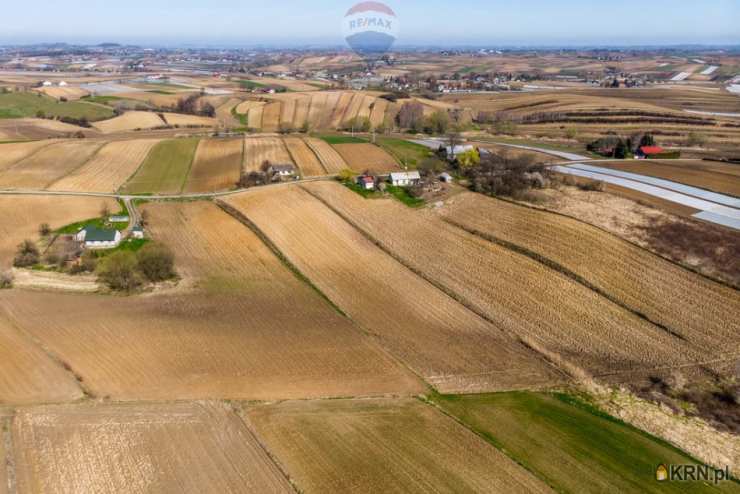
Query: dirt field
[
  {"x": 29, "y": 375},
  {"x": 39, "y": 128},
  {"x": 361, "y": 157},
  {"x": 546, "y": 309},
  {"x": 69, "y": 92},
  {"x": 165, "y": 169},
  {"x": 110, "y": 168},
  {"x": 384, "y": 446},
  {"x": 131, "y": 120},
  {"x": 304, "y": 157},
  {"x": 180, "y": 120},
  {"x": 271, "y": 117},
  {"x": 216, "y": 166},
  {"x": 249, "y": 329},
  {"x": 22, "y": 216},
  {"x": 448, "y": 345},
  {"x": 48, "y": 165},
  {"x": 332, "y": 161},
  {"x": 191, "y": 447},
  {"x": 717, "y": 177},
  {"x": 699, "y": 310},
  {"x": 257, "y": 150},
  {"x": 15, "y": 152}
]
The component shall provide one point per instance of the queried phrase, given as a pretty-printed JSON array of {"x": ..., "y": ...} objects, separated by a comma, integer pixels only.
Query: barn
[{"x": 93, "y": 237}]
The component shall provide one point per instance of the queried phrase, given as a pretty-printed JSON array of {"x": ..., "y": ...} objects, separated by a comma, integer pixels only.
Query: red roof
[
  {"x": 367, "y": 180},
  {"x": 651, "y": 149}
]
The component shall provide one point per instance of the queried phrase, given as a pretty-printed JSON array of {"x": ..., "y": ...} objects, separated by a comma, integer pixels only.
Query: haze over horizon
[{"x": 292, "y": 23}]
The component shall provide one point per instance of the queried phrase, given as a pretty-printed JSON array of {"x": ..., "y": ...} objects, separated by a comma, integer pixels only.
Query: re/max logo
[
  {"x": 692, "y": 473},
  {"x": 370, "y": 22}
]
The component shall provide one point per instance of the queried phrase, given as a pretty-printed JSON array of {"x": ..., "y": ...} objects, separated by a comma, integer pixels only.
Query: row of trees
[
  {"x": 411, "y": 117},
  {"x": 620, "y": 148},
  {"x": 192, "y": 106}
]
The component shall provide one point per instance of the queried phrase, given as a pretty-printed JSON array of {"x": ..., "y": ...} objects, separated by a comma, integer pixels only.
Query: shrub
[
  {"x": 156, "y": 262},
  {"x": 346, "y": 175},
  {"x": 118, "y": 271},
  {"x": 592, "y": 186},
  {"x": 6, "y": 280},
  {"x": 44, "y": 229},
  {"x": 26, "y": 255}
]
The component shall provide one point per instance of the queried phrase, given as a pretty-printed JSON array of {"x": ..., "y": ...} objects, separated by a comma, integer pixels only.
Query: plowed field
[
  {"x": 216, "y": 166},
  {"x": 361, "y": 157},
  {"x": 257, "y": 150},
  {"x": 304, "y": 157}
]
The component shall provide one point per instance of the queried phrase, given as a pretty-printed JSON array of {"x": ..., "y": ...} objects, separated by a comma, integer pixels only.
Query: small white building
[
  {"x": 62, "y": 84},
  {"x": 95, "y": 238},
  {"x": 46, "y": 83},
  {"x": 137, "y": 232},
  {"x": 118, "y": 219},
  {"x": 445, "y": 177},
  {"x": 283, "y": 171},
  {"x": 405, "y": 179},
  {"x": 367, "y": 182}
]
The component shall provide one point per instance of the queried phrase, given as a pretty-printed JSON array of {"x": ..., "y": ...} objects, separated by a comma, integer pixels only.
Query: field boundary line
[
  {"x": 374, "y": 339},
  {"x": 34, "y": 153},
  {"x": 240, "y": 414},
  {"x": 559, "y": 268},
  {"x": 484, "y": 437},
  {"x": 64, "y": 365},
  {"x": 186, "y": 175},
  {"x": 8, "y": 462},
  {"x": 138, "y": 168},
  {"x": 730, "y": 358},
  {"x": 244, "y": 220},
  {"x": 449, "y": 293},
  {"x": 617, "y": 237},
  {"x": 292, "y": 156},
  {"x": 78, "y": 167},
  {"x": 313, "y": 151}
]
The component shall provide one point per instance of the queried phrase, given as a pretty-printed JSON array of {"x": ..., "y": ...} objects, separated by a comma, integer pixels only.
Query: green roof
[{"x": 95, "y": 234}]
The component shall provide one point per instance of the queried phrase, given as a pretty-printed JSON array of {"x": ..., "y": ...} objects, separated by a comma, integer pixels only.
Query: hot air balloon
[{"x": 370, "y": 29}]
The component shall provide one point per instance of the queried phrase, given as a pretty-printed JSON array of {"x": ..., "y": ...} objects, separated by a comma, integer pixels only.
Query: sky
[{"x": 423, "y": 22}]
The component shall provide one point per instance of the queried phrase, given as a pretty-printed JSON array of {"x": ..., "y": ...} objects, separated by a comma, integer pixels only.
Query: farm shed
[
  {"x": 648, "y": 151},
  {"x": 445, "y": 177},
  {"x": 283, "y": 171},
  {"x": 137, "y": 232},
  {"x": 404, "y": 179},
  {"x": 119, "y": 219},
  {"x": 367, "y": 182},
  {"x": 96, "y": 238}
]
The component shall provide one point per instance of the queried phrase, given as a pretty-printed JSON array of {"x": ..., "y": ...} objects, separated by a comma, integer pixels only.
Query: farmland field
[
  {"x": 216, "y": 166},
  {"x": 699, "y": 310},
  {"x": 246, "y": 329},
  {"x": 384, "y": 446},
  {"x": 180, "y": 120},
  {"x": 28, "y": 375},
  {"x": 569, "y": 445},
  {"x": 438, "y": 338},
  {"x": 304, "y": 157},
  {"x": 131, "y": 120},
  {"x": 361, "y": 157},
  {"x": 110, "y": 168},
  {"x": 70, "y": 93},
  {"x": 271, "y": 117},
  {"x": 22, "y": 216},
  {"x": 543, "y": 307},
  {"x": 330, "y": 159},
  {"x": 165, "y": 169},
  {"x": 405, "y": 152},
  {"x": 718, "y": 177},
  {"x": 12, "y": 153},
  {"x": 40, "y": 128},
  {"x": 257, "y": 150},
  {"x": 20, "y": 105},
  {"x": 197, "y": 447},
  {"x": 48, "y": 165}
]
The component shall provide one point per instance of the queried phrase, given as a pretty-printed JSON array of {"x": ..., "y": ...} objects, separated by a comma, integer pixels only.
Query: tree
[
  {"x": 44, "y": 229},
  {"x": 26, "y": 255},
  {"x": 118, "y": 271},
  {"x": 621, "y": 151},
  {"x": 571, "y": 133},
  {"x": 431, "y": 166},
  {"x": 647, "y": 140},
  {"x": 144, "y": 218},
  {"x": 438, "y": 122},
  {"x": 411, "y": 116},
  {"x": 6, "y": 279},
  {"x": 454, "y": 138},
  {"x": 208, "y": 110},
  {"x": 346, "y": 175},
  {"x": 156, "y": 262},
  {"x": 469, "y": 159}
]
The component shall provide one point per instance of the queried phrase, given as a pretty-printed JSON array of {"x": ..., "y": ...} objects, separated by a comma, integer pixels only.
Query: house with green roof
[{"x": 93, "y": 237}]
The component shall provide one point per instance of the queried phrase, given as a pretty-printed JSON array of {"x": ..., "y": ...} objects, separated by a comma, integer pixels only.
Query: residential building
[
  {"x": 405, "y": 179},
  {"x": 93, "y": 237}
]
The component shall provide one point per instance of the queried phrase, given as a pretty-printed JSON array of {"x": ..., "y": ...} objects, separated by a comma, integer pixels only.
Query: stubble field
[
  {"x": 548, "y": 310},
  {"x": 384, "y": 446},
  {"x": 330, "y": 159},
  {"x": 699, "y": 310},
  {"x": 48, "y": 165},
  {"x": 131, "y": 120},
  {"x": 216, "y": 166},
  {"x": 197, "y": 447},
  {"x": 448, "y": 345},
  {"x": 257, "y": 150},
  {"x": 304, "y": 157},
  {"x": 110, "y": 168},
  {"x": 361, "y": 157},
  {"x": 14, "y": 152}
]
